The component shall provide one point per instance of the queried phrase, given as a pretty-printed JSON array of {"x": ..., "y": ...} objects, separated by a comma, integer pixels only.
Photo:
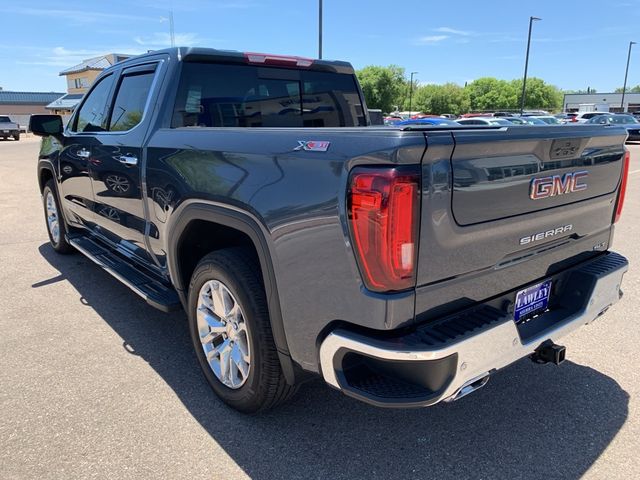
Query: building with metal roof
[
  {"x": 25, "y": 103},
  {"x": 607, "y": 102},
  {"x": 65, "y": 103},
  {"x": 80, "y": 77}
]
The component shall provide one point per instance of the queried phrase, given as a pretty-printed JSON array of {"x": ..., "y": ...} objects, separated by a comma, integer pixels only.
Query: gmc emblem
[{"x": 558, "y": 185}]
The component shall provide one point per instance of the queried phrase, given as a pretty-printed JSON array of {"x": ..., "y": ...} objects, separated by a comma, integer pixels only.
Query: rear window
[{"x": 222, "y": 95}]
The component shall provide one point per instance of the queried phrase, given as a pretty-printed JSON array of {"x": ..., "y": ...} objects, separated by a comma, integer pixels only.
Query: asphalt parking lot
[{"x": 94, "y": 383}]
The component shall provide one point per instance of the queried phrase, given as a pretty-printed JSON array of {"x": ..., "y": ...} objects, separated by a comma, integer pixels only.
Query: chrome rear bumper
[{"x": 461, "y": 362}]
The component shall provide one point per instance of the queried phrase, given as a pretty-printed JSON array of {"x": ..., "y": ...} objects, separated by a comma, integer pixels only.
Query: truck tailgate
[
  {"x": 493, "y": 174},
  {"x": 482, "y": 233}
]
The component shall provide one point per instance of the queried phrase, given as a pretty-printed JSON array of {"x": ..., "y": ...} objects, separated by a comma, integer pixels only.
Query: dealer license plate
[{"x": 532, "y": 300}]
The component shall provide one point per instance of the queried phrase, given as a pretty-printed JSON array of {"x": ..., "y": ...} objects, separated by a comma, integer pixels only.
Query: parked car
[
  {"x": 428, "y": 121},
  {"x": 534, "y": 121},
  {"x": 476, "y": 115},
  {"x": 582, "y": 117},
  {"x": 567, "y": 117},
  {"x": 624, "y": 120},
  {"x": 391, "y": 120},
  {"x": 548, "y": 119},
  {"x": 484, "y": 121},
  {"x": 404, "y": 266},
  {"x": 9, "y": 128},
  {"x": 517, "y": 120}
]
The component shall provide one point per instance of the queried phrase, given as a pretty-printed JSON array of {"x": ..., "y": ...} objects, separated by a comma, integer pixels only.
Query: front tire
[
  {"x": 16, "y": 137},
  {"x": 231, "y": 332},
  {"x": 55, "y": 223}
]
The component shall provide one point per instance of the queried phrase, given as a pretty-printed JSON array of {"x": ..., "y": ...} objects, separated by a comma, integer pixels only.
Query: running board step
[{"x": 153, "y": 291}]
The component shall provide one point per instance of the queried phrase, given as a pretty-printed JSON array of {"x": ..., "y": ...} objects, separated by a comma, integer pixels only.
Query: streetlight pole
[
  {"x": 411, "y": 92},
  {"x": 526, "y": 64},
  {"x": 626, "y": 73},
  {"x": 320, "y": 29}
]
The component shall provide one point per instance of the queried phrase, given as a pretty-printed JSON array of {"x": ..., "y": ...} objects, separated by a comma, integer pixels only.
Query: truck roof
[{"x": 201, "y": 54}]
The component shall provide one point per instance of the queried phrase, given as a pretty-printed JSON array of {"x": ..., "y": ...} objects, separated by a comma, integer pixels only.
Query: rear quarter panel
[{"x": 298, "y": 198}]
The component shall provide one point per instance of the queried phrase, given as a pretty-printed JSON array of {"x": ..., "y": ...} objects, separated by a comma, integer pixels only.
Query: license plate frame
[{"x": 531, "y": 300}]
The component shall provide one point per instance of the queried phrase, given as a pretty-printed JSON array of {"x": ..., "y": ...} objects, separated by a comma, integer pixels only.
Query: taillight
[
  {"x": 623, "y": 185},
  {"x": 384, "y": 206}
]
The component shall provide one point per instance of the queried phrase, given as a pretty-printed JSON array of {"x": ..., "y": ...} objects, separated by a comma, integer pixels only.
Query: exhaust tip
[{"x": 469, "y": 387}]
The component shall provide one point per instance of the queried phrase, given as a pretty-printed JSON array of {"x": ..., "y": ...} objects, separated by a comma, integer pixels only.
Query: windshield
[
  {"x": 550, "y": 120},
  {"x": 622, "y": 119},
  {"x": 499, "y": 121},
  {"x": 535, "y": 121},
  {"x": 613, "y": 119},
  {"x": 5, "y": 119}
]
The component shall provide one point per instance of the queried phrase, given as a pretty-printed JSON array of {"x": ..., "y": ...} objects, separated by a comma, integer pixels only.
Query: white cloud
[
  {"x": 197, "y": 5},
  {"x": 76, "y": 16},
  {"x": 431, "y": 39},
  {"x": 453, "y": 31},
  {"x": 163, "y": 39},
  {"x": 65, "y": 58}
]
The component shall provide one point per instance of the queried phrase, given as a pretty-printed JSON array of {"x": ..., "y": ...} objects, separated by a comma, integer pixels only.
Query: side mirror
[{"x": 45, "y": 125}]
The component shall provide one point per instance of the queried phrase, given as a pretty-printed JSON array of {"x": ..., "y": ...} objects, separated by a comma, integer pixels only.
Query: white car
[
  {"x": 485, "y": 121},
  {"x": 584, "y": 116}
]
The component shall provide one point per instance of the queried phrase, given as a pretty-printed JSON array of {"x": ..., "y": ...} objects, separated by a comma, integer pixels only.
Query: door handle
[
  {"x": 128, "y": 160},
  {"x": 83, "y": 153}
]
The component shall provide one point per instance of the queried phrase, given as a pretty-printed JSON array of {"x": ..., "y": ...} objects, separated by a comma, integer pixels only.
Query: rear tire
[
  {"x": 16, "y": 137},
  {"x": 55, "y": 223},
  {"x": 255, "y": 381}
]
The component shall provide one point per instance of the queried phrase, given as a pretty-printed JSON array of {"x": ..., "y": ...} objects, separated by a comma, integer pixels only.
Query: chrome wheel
[
  {"x": 52, "y": 217},
  {"x": 223, "y": 334}
]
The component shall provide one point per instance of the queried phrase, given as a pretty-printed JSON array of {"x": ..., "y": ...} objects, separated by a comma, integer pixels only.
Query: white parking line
[{"x": 635, "y": 171}]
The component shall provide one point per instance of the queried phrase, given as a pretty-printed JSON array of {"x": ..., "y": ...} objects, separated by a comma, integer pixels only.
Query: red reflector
[
  {"x": 623, "y": 185},
  {"x": 285, "y": 60},
  {"x": 383, "y": 214}
]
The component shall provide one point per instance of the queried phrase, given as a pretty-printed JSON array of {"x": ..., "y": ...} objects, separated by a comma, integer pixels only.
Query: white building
[{"x": 600, "y": 101}]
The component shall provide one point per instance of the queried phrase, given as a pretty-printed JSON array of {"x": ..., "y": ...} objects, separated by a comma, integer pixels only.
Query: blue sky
[{"x": 576, "y": 45}]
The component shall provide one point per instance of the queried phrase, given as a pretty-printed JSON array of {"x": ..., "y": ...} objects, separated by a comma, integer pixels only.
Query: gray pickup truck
[
  {"x": 8, "y": 128},
  {"x": 403, "y": 265}
]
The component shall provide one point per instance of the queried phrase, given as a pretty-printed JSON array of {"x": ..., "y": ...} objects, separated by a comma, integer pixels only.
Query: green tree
[
  {"x": 383, "y": 87},
  {"x": 439, "y": 99},
  {"x": 587, "y": 91},
  {"x": 539, "y": 94},
  {"x": 635, "y": 89},
  {"x": 489, "y": 93}
]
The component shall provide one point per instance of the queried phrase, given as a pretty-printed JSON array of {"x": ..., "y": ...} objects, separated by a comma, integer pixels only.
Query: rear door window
[
  {"x": 224, "y": 95},
  {"x": 131, "y": 98}
]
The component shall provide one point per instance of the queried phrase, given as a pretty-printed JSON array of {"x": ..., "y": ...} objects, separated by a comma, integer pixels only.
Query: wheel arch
[
  {"x": 226, "y": 217},
  {"x": 46, "y": 172}
]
